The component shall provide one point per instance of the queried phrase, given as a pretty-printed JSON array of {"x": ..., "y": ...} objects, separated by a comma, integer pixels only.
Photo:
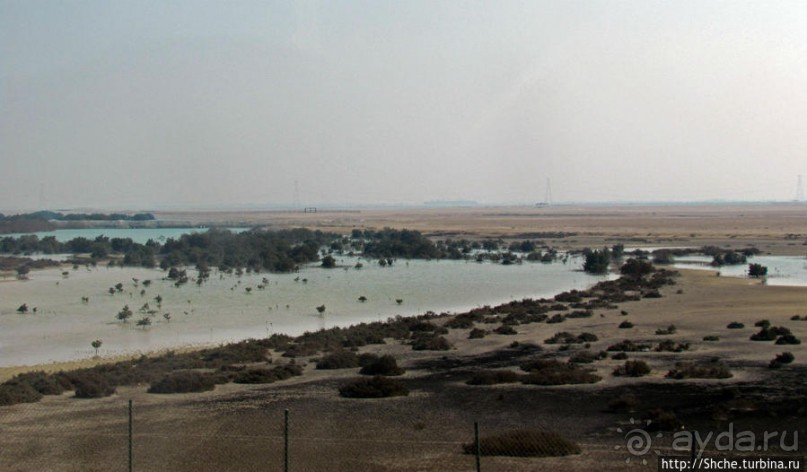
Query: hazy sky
[{"x": 143, "y": 104}]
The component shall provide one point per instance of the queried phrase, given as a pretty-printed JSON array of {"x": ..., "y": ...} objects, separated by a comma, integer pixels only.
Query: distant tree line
[
  {"x": 52, "y": 215},
  {"x": 276, "y": 251},
  {"x": 390, "y": 243}
]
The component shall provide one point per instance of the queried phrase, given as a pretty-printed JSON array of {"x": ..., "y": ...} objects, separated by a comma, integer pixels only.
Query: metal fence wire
[{"x": 115, "y": 434}]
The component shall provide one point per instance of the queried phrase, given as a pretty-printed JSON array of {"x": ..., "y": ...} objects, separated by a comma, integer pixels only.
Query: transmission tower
[
  {"x": 799, "y": 190},
  {"x": 548, "y": 196},
  {"x": 296, "y": 202}
]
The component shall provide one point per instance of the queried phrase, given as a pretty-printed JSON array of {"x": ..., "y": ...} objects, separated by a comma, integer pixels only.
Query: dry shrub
[
  {"x": 91, "y": 385},
  {"x": 376, "y": 387},
  {"x": 691, "y": 370},
  {"x": 671, "y": 346},
  {"x": 339, "y": 360},
  {"x": 493, "y": 377},
  {"x": 781, "y": 359},
  {"x": 13, "y": 392},
  {"x": 183, "y": 382},
  {"x": 587, "y": 357},
  {"x": 264, "y": 376},
  {"x": 552, "y": 372},
  {"x": 629, "y": 346},
  {"x": 505, "y": 329},
  {"x": 384, "y": 365},
  {"x": 429, "y": 342},
  {"x": 476, "y": 333},
  {"x": 565, "y": 337},
  {"x": 632, "y": 369},
  {"x": 44, "y": 383}
]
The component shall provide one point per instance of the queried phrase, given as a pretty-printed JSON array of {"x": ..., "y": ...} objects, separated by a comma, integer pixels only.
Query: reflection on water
[{"x": 223, "y": 310}]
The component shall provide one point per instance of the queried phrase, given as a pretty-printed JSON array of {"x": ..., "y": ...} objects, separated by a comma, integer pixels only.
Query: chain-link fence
[{"x": 115, "y": 434}]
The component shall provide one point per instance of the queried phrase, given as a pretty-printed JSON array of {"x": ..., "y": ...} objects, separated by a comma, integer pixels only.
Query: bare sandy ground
[{"x": 779, "y": 228}]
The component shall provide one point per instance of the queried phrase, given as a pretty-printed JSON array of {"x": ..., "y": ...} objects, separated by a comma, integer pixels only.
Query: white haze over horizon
[{"x": 151, "y": 104}]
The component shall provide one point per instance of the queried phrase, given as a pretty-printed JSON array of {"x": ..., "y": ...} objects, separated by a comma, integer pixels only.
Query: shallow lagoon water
[
  {"x": 221, "y": 310},
  {"x": 782, "y": 270}
]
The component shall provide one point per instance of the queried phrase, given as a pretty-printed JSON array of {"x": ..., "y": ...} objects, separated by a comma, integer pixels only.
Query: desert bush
[
  {"x": 711, "y": 338},
  {"x": 620, "y": 356},
  {"x": 671, "y": 346},
  {"x": 763, "y": 335},
  {"x": 552, "y": 372},
  {"x": 625, "y": 325},
  {"x": 770, "y": 333},
  {"x": 629, "y": 346},
  {"x": 304, "y": 349},
  {"x": 587, "y": 337},
  {"x": 735, "y": 325},
  {"x": 668, "y": 330},
  {"x": 653, "y": 293},
  {"x": 13, "y": 392},
  {"x": 762, "y": 324},
  {"x": 524, "y": 443},
  {"x": 580, "y": 314},
  {"x": 384, "y": 365},
  {"x": 795, "y": 318},
  {"x": 493, "y": 377},
  {"x": 265, "y": 376},
  {"x": 339, "y": 360},
  {"x": 781, "y": 359},
  {"x": 691, "y": 370},
  {"x": 91, "y": 385},
  {"x": 587, "y": 357},
  {"x": 43, "y": 383},
  {"x": 423, "y": 326},
  {"x": 632, "y": 369},
  {"x": 524, "y": 318},
  {"x": 788, "y": 339},
  {"x": 250, "y": 350},
  {"x": 376, "y": 387},
  {"x": 476, "y": 333},
  {"x": 183, "y": 382},
  {"x": 505, "y": 329},
  {"x": 463, "y": 321},
  {"x": 429, "y": 342},
  {"x": 565, "y": 337},
  {"x": 556, "y": 318}
]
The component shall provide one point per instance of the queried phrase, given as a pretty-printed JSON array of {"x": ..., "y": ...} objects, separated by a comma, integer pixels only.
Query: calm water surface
[
  {"x": 782, "y": 270},
  {"x": 222, "y": 310}
]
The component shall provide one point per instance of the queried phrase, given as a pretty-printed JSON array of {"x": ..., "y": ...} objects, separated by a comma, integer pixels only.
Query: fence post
[
  {"x": 130, "y": 435},
  {"x": 286, "y": 441},
  {"x": 477, "y": 447}
]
